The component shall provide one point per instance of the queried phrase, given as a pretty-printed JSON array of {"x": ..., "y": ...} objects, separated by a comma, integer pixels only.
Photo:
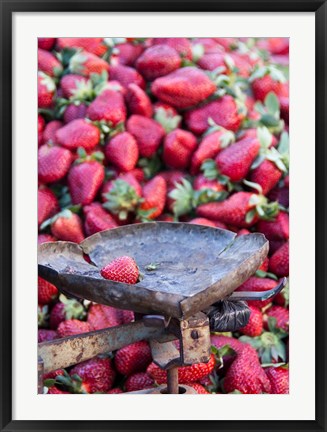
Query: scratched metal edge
[
  {"x": 232, "y": 280},
  {"x": 121, "y": 296}
]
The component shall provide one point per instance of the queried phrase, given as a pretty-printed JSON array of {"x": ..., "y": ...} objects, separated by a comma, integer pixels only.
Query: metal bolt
[{"x": 194, "y": 334}]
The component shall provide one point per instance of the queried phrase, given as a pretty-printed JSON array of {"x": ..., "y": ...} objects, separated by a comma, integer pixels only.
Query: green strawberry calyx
[
  {"x": 211, "y": 172},
  {"x": 77, "y": 61},
  {"x": 47, "y": 82},
  {"x": 269, "y": 345},
  {"x": 186, "y": 199},
  {"x": 226, "y": 138},
  {"x": 167, "y": 121},
  {"x": 259, "y": 205},
  {"x": 122, "y": 199},
  {"x": 66, "y": 213},
  {"x": 83, "y": 157},
  {"x": 270, "y": 113},
  {"x": 280, "y": 156},
  {"x": 262, "y": 71},
  {"x": 73, "y": 308}
]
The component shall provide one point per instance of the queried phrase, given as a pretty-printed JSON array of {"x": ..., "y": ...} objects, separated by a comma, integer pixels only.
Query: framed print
[{"x": 163, "y": 215}]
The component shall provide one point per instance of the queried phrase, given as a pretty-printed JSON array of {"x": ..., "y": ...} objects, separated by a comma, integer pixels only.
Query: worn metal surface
[
  {"x": 165, "y": 354},
  {"x": 195, "y": 339},
  {"x": 40, "y": 373},
  {"x": 195, "y": 266},
  {"x": 172, "y": 380},
  {"x": 65, "y": 352}
]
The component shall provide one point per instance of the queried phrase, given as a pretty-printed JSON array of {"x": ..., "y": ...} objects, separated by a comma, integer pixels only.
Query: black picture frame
[{"x": 7, "y": 9}]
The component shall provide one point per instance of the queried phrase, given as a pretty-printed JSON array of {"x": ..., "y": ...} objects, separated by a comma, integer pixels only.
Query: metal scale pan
[{"x": 194, "y": 266}]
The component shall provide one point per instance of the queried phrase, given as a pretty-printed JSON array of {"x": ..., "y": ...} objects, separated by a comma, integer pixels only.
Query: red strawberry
[
  {"x": 278, "y": 45},
  {"x": 115, "y": 391},
  {"x": 232, "y": 211},
  {"x": 68, "y": 226},
  {"x": 53, "y": 163},
  {"x": 86, "y": 63},
  {"x": 147, "y": 132},
  {"x": 128, "y": 178},
  {"x": 43, "y": 238},
  {"x": 255, "y": 325},
  {"x": 122, "y": 151},
  {"x": 46, "y": 43},
  {"x": 101, "y": 316},
  {"x": 280, "y": 194},
  {"x": 70, "y": 83},
  {"x": 278, "y": 229},
  {"x": 254, "y": 284},
  {"x": 262, "y": 86},
  {"x": 40, "y": 128},
  {"x": 211, "y": 61},
  {"x": 123, "y": 269},
  {"x": 202, "y": 221},
  {"x": 133, "y": 358},
  {"x": 137, "y": 173},
  {"x": 267, "y": 175},
  {"x": 279, "y": 379},
  {"x": 78, "y": 133},
  {"x": 125, "y": 316},
  {"x": 97, "y": 219},
  {"x": 178, "y": 148},
  {"x": 235, "y": 161},
  {"x": 183, "y": 88},
  {"x": 284, "y": 108},
  {"x": 65, "y": 309},
  {"x": 56, "y": 390},
  {"x": 91, "y": 44},
  {"x": 44, "y": 335},
  {"x": 48, "y": 63},
  {"x": 281, "y": 316},
  {"x": 223, "y": 112},
  {"x": 126, "y": 75},
  {"x": 181, "y": 45},
  {"x": 186, "y": 374},
  {"x": 74, "y": 112},
  {"x": 85, "y": 180},
  {"x": 128, "y": 53},
  {"x": 72, "y": 327},
  {"x": 157, "y": 61},
  {"x": 139, "y": 381},
  {"x": 47, "y": 292},
  {"x": 208, "y": 149},
  {"x": 198, "y": 388},
  {"x": 243, "y": 231},
  {"x": 154, "y": 195},
  {"x": 50, "y": 130},
  {"x": 55, "y": 373},
  {"x": 97, "y": 375},
  {"x": 122, "y": 196},
  {"x": 201, "y": 182},
  {"x": 47, "y": 205},
  {"x": 108, "y": 106},
  {"x": 279, "y": 261},
  {"x": 138, "y": 101},
  {"x": 246, "y": 374},
  {"x": 45, "y": 89}
]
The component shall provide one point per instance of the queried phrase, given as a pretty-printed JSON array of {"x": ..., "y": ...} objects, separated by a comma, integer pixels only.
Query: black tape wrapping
[{"x": 229, "y": 316}]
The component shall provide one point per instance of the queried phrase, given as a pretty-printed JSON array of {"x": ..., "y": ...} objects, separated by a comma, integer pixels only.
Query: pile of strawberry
[{"x": 192, "y": 130}]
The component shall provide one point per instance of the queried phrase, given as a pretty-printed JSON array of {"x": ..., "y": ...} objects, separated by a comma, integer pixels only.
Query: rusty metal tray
[{"x": 195, "y": 266}]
